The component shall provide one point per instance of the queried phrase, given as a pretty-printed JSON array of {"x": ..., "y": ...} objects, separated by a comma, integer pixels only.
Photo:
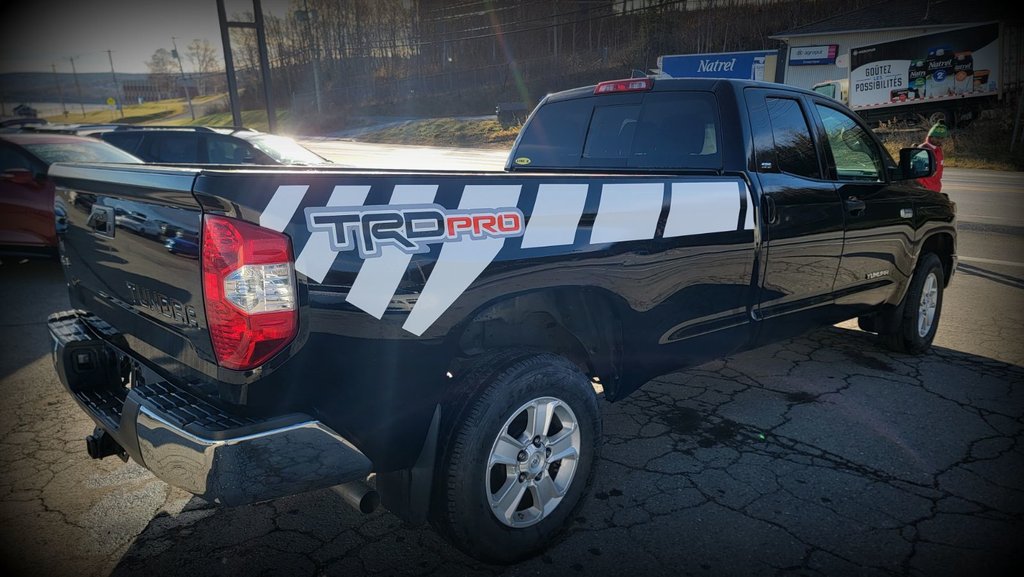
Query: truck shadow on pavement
[
  {"x": 823, "y": 454},
  {"x": 1004, "y": 279}
]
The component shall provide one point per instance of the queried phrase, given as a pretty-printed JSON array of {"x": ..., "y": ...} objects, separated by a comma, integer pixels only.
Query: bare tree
[
  {"x": 204, "y": 60},
  {"x": 161, "y": 72}
]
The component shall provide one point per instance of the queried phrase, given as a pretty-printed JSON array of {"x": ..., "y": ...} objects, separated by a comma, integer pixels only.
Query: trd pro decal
[{"x": 410, "y": 228}]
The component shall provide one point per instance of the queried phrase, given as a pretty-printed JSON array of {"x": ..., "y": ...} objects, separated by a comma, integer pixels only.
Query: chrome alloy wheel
[
  {"x": 929, "y": 304},
  {"x": 532, "y": 462}
]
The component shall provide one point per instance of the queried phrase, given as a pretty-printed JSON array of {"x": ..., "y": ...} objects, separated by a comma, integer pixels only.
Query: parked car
[
  {"x": 208, "y": 145},
  {"x": 139, "y": 224},
  {"x": 17, "y": 124},
  {"x": 27, "y": 216},
  {"x": 183, "y": 245}
]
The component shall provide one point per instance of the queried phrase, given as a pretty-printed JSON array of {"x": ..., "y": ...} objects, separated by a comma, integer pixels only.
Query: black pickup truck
[{"x": 445, "y": 332}]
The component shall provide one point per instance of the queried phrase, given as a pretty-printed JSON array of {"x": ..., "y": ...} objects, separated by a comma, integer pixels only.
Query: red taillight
[
  {"x": 249, "y": 291},
  {"x": 627, "y": 85}
]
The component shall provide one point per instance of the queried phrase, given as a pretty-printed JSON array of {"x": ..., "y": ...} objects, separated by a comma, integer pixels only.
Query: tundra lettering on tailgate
[{"x": 166, "y": 306}]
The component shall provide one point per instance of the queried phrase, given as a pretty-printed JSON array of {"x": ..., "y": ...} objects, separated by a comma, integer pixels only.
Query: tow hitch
[{"x": 100, "y": 444}]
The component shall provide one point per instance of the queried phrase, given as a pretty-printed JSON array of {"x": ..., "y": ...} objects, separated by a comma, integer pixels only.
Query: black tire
[
  {"x": 498, "y": 388},
  {"x": 907, "y": 336}
]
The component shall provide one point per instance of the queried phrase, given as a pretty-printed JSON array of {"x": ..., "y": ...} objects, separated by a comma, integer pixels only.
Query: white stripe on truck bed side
[{"x": 626, "y": 212}]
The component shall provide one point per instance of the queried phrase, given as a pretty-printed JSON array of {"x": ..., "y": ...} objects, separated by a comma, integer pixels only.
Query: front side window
[
  {"x": 794, "y": 149},
  {"x": 227, "y": 151},
  {"x": 285, "y": 150},
  {"x": 854, "y": 151}
]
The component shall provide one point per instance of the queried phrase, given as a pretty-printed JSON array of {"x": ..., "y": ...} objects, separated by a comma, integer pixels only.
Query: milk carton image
[
  {"x": 940, "y": 81},
  {"x": 963, "y": 73},
  {"x": 917, "y": 76}
]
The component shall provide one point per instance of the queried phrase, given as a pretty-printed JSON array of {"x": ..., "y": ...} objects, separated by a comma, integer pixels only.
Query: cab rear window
[{"x": 651, "y": 130}]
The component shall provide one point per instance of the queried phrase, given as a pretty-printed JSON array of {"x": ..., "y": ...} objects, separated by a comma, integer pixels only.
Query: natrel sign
[{"x": 754, "y": 65}]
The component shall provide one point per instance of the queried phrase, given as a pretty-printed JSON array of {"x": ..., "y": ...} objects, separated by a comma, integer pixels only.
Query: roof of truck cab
[{"x": 670, "y": 84}]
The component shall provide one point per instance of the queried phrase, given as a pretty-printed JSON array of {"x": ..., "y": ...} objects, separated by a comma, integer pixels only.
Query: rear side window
[
  {"x": 87, "y": 150},
  {"x": 128, "y": 141},
  {"x": 795, "y": 152},
  {"x": 663, "y": 130},
  {"x": 554, "y": 137},
  {"x": 10, "y": 158},
  {"x": 172, "y": 147}
]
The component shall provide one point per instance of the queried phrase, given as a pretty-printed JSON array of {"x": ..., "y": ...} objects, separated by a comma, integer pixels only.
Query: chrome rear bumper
[{"x": 189, "y": 442}]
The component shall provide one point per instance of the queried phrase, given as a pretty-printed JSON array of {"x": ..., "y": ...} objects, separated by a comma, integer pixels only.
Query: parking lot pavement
[{"x": 823, "y": 455}]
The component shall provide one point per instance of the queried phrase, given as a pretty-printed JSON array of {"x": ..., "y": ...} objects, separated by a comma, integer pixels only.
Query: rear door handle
[{"x": 855, "y": 206}]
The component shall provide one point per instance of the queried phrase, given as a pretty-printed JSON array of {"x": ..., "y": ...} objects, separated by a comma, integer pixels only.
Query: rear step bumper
[{"x": 187, "y": 441}]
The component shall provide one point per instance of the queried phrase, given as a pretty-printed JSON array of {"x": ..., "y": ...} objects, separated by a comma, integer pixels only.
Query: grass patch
[
  {"x": 447, "y": 132},
  {"x": 133, "y": 113},
  {"x": 255, "y": 119},
  {"x": 984, "y": 143}
]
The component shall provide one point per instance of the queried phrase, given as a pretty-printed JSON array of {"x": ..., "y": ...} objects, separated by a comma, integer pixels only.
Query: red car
[{"x": 28, "y": 221}]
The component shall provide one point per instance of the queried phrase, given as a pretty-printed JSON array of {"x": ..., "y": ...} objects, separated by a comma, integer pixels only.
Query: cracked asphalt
[{"x": 821, "y": 455}]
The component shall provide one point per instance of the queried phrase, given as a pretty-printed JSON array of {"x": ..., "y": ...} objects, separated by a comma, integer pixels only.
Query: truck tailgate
[{"x": 131, "y": 257}]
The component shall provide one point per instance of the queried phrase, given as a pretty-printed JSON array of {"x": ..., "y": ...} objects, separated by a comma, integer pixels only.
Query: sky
[{"x": 34, "y": 34}]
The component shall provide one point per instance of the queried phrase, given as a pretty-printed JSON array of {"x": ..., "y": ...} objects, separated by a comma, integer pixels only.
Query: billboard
[
  {"x": 755, "y": 65},
  {"x": 811, "y": 55},
  {"x": 956, "y": 64}
]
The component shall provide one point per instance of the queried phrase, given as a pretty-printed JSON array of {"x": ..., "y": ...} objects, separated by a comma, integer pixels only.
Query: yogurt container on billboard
[
  {"x": 963, "y": 73},
  {"x": 916, "y": 77}
]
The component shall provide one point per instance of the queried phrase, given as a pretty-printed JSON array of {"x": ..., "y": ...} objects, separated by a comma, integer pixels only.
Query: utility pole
[
  {"x": 181, "y": 68},
  {"x": 261, "y": 44},
  {"x": 60, "y": 91},
  {"x": 117, "y": 91},
  {"x": 229, "y": 66},
  {"x": 78, "y": 89}
]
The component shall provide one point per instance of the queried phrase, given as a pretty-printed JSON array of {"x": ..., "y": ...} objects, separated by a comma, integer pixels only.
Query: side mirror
[
  {"x": 22, "y": 176},
  {"x": 916, "y": 163}
]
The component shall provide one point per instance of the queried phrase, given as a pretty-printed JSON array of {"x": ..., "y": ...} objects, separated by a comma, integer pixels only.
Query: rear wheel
[
  {"x": 519, "y": 456},
  {"x": 919, "y": 320}
]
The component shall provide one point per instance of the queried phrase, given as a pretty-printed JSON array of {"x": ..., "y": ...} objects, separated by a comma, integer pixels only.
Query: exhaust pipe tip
[
  {"x": 359, "y": 495},
  {"x": 369, "y": 503}
]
